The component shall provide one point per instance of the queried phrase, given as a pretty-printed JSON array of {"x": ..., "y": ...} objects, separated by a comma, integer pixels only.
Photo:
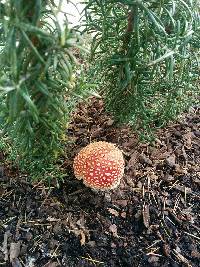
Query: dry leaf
[
  {"x": 153, "y": 176},
  {"x": 168, "y": 178},
  {"x": 180, "y": 170},
  {"x": 82, "y": 232},
  {"x": 14, "y": 253},
  {"x": 133, "y": 160},
  {"x": 113, "y": 230},
  {"x": 109, "y": 122},
  {"x": 188, "y": 140},
  {"x": 14, "y": 250},
  {"x": 183, "y": 189},
  {"x": 123, "y": 215},
  {"x": 96, "y": 132},
  {"x": 121, "y": 202},
  {"x": 144, "y": 159},
  {"x": 166, "y": 249},
  {"x": 160, "y": 154},
  {"x": 82, "y": 240},
  {"x": 130, "y": 181},
  {"x": 81, "y": 222}
]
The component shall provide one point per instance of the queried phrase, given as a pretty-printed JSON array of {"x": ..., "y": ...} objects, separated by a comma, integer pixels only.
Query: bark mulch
[{"x": 152, "y": 219}]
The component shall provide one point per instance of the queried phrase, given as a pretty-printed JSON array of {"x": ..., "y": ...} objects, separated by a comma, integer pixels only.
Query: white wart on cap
[{"x": 100, "y": 165}]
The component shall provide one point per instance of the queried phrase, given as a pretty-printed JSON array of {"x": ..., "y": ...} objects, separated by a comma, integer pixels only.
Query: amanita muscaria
[{"x": 100, "y": 165}]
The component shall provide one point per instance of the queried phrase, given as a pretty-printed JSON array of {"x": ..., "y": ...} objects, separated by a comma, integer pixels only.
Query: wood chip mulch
[{"x": 152, "y": 219}]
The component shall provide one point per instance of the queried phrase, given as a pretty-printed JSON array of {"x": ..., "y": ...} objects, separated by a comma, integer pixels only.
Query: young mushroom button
[{"x": 100, "y": 165}]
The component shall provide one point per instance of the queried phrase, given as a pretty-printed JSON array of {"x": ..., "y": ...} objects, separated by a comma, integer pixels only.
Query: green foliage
[
  {"x": 145, "y": 57},
  {"x": 36, "y": 81}
]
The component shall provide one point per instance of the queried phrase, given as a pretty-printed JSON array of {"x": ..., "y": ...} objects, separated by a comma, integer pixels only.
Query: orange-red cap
[{"x": 100, "y": 165}]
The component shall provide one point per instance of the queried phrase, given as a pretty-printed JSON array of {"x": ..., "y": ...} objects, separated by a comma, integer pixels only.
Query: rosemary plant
[
  {"x": 146, "y": 57},
  {"x": 36, "y": 88}
]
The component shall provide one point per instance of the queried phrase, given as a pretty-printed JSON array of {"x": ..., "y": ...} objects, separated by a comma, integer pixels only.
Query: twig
[
  {"x": 92, "y": 260},
  {"x": 7, "y": 194},
  {"x": 174, "y": 184},
  {"x": 154, "y": 254},
  {"x": 196, "y": 237},
  {"x": 157, "y": 241},
  {"x": 181, "y": 258},
  {"x": 185, "y": 194},
  {"x": 17, "y": 228}
]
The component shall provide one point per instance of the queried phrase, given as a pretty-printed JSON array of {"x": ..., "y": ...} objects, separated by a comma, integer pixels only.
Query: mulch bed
[{"x": 152, "y": 219}]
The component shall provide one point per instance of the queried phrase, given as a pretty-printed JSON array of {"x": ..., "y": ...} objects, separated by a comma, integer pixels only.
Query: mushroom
[{"x": 100, "y": 165}]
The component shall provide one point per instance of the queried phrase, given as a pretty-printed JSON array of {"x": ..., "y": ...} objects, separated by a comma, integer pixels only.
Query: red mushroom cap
[{"x": 100, "y": 165}]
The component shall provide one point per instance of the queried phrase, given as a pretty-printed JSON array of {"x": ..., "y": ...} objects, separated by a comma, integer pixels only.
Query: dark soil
[{"x": 152, "y": 219}]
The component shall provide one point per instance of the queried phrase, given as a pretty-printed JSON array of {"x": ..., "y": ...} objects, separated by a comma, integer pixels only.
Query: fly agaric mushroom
[{"x": 100, "y": 165}]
